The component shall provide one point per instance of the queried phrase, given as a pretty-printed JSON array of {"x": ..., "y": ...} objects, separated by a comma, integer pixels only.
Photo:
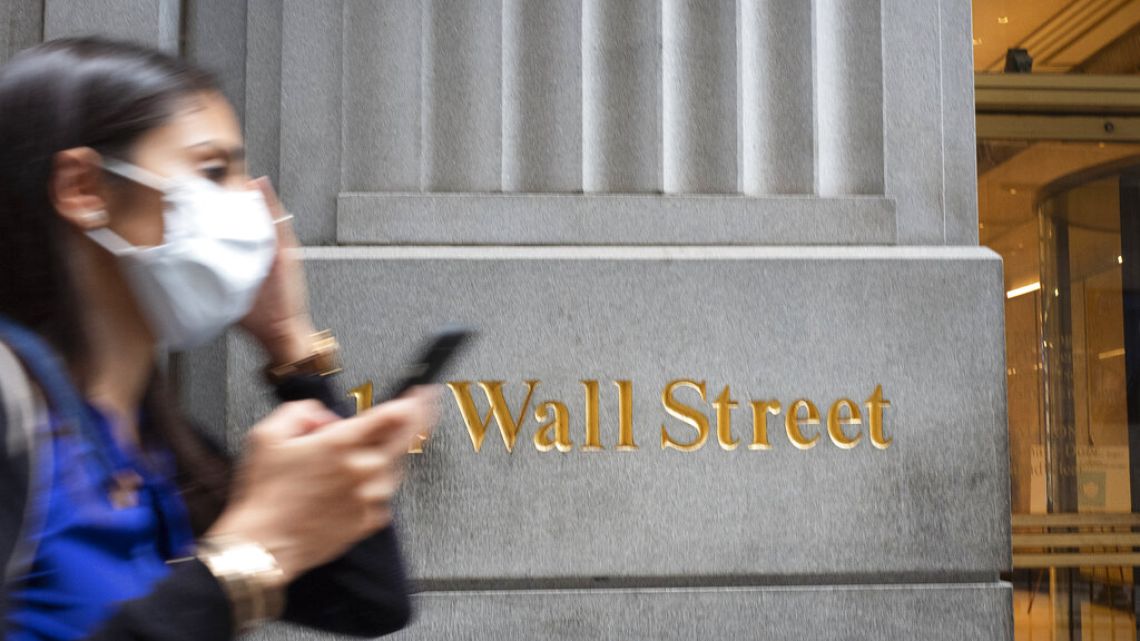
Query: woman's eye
[{"x": 216, "y": 173}]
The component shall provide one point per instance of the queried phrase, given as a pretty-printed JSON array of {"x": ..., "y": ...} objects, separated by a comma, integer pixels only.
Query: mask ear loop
[
  {"x": 111, "y": 241},
  {"x": 134, "y": 173}
]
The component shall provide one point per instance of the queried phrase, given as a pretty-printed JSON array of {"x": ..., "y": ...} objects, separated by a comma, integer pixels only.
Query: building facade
[{"x": 740, "y": 367}]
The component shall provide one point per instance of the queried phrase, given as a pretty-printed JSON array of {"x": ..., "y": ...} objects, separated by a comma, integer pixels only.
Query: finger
[
  {"x": 418, "y": 422},
  {"x": 296, "y": 418},
  {"x": 283, "y": 220},
  {"x": 366, "y": 463},
  {"x": 381, "y": 489},
  {"x": 378, "y": 517},
  {"x": 431, "y": 396},
  {"x": 263, "y": 185},
  {"x": 389, "y": 425}
]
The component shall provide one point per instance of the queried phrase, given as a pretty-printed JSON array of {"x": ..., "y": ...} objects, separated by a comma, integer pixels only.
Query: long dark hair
[{"x": 103, "y": 94}]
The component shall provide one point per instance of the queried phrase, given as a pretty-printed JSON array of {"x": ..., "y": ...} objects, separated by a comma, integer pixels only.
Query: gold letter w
[{"x": 493, "y": 390}]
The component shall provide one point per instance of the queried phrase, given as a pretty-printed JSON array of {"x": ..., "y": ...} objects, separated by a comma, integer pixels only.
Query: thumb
[{"x": 294, "y": 419}]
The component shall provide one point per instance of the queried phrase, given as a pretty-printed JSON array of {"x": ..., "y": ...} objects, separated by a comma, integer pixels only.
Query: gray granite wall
[
  {"x": 21, "y": 25},
  {"x": 773, "y": 195},
  {"x": 150, "y": 22}
]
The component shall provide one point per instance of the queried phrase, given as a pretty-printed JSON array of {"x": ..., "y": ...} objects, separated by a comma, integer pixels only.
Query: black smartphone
[{"x": 430, "y": 361}]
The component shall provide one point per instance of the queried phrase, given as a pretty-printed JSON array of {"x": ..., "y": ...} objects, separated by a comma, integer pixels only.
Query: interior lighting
[
  {"x": 1003, "y": 19},
  {"x": 1021, "y": 291},
  {"x": 1112, "y": 353}
]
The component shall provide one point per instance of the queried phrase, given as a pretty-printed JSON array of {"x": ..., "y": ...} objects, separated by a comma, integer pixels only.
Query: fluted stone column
[
  {"x": 699, "y": 96},
  {"x": 542, "y": 96},
  {"x": 777, "y": 100},
  {"x": 621, "y": 90}
]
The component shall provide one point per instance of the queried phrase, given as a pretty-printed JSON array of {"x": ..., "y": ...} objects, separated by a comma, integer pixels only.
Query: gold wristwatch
[
  {"x": 321, "y": 361},
  {"x": 250, "y": 577}
]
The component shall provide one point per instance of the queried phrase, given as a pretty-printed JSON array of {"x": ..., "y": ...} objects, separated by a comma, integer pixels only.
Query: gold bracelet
[
  {"x": 321, "y": 361},
  {"x": 250, "y": 577}
]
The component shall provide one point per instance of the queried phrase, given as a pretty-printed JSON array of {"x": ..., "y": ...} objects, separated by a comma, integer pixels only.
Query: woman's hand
[
  {"x": 312, "y": 484},
  {"x": 279, "y": 319}
]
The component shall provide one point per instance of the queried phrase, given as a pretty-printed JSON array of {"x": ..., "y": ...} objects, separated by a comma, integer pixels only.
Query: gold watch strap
[{"x": 250, "y": 577}]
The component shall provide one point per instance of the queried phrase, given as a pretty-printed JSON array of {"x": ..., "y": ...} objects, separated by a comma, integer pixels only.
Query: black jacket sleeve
[
  {"x": 188, "y": 605},
  {"x": 363, "y": 593}
]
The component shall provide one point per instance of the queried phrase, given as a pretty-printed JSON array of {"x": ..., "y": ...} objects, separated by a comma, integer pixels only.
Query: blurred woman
[{"x": 129, "y": 228}]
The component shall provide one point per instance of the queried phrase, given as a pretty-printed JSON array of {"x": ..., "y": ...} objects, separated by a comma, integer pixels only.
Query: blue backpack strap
[
  {"x": 21, "y": 427},
  {"x": 49, "y": 373},
  {"x": 26, "y": 470}
]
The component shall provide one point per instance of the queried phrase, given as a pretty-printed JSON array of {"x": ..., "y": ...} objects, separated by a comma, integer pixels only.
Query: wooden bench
[{"x": 1084, "y": 540}]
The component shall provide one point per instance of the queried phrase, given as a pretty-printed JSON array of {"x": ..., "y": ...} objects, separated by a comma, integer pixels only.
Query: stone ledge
[
  {"x": 612, "y": 219},
  {"x": 883, "y": 613}
]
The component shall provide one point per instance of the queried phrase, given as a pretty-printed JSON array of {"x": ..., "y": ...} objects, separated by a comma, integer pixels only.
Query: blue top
[
  {"x": 113, "y": 518},
  {"x": 102, "y": 544}
]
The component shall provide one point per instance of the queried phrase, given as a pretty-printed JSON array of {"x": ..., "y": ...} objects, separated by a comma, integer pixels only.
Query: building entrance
[{"x": 1064, "y": 213}]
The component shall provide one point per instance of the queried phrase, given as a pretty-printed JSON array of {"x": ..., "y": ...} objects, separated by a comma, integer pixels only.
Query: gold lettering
[
  {"x": 688, "y": 415},
  {"x": 625, "y": 416},
  {"x": 593, "y": 438},
  {"x": 760, "y": 412},
  {"x": 560, "y": 423},
  {"x": 477, "y": 427},
  {"x": 362, "y": 394},
  {"x": 875, "y": 405},
  {"x": 836, "y": 420},
  {"x": 793, "y": 423},
  {"x": 724, "y": 406},
  {"x": 417, "y": 446}
]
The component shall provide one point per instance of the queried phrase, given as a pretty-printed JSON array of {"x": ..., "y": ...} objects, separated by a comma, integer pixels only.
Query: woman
[{"x": 128, "y": 227}]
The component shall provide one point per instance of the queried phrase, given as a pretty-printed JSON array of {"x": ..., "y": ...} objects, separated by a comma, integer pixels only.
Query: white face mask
[{"x": 217, "y": 248}]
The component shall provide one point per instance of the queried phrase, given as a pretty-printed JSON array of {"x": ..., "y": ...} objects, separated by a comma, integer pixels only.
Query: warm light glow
[
  {"x": 1119, "y": 260},
  {"x": 1003, "y": 20},
  {"x": 1112, "y": 353},
  {"x": 1020, "y": 291},
  {"x": 977, "y": 41}
]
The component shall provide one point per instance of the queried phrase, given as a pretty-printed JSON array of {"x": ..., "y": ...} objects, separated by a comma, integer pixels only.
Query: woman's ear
[{"x": 76, "y": 188}]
